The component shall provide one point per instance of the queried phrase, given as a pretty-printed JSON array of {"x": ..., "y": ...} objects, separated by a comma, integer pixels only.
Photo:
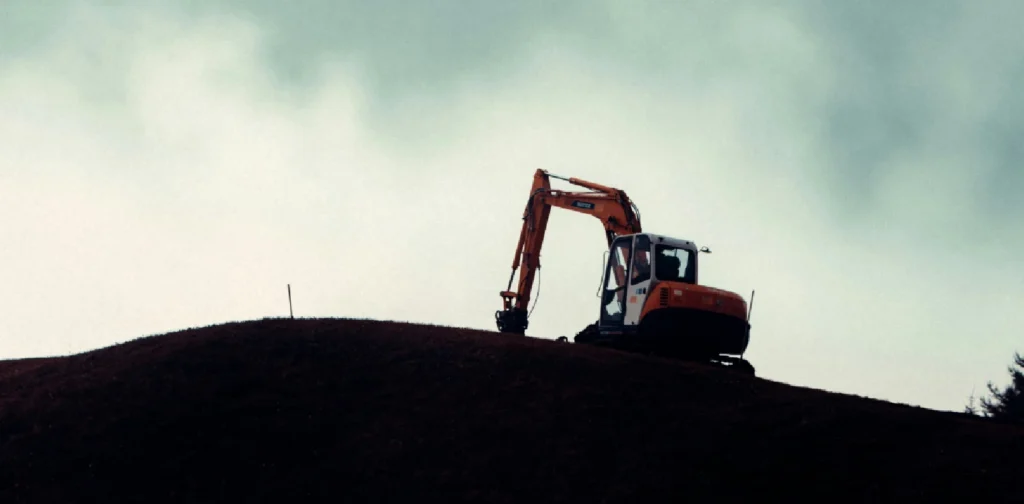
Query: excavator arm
[{"x": 611, "y": 206}]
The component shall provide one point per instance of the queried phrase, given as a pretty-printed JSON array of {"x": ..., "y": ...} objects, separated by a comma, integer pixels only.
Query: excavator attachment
[
  {"x": 511, "y": 319},
  {"x": 611, "y": 206}
]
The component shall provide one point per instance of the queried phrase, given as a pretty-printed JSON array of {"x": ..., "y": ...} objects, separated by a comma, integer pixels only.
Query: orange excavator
[{"x": 651, "y": 301}]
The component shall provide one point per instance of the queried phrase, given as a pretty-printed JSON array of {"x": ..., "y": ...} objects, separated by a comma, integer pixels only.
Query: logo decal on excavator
[{"x": 583, "y": 204}]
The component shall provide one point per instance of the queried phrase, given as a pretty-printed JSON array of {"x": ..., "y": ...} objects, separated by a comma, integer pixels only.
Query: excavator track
[{"x": 590, "y": 335}]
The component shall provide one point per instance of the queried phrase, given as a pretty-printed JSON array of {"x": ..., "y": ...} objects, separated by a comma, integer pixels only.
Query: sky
[{"x": 168, "y": 165}]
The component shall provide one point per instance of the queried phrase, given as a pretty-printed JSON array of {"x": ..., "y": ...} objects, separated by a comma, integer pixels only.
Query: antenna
[{"x": 751, "y": 307}]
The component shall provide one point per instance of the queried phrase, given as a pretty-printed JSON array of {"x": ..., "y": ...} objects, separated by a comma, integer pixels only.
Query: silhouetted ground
[{"x": 345, "y": 411}]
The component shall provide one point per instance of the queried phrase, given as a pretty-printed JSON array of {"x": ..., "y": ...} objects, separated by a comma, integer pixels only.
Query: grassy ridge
[{"x": 321, "y": 410}]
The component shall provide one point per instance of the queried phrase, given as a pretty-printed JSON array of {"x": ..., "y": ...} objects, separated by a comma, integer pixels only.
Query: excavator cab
[
  {"x": 643, "y": 259},
  {"x": 652, "y": 299}
]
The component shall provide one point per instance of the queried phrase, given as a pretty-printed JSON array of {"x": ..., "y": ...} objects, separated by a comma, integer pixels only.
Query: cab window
[
  {"x": 674, "y": 264},
  {"x": 615, "y": 280},
  {"x": 641, "y": 260}
]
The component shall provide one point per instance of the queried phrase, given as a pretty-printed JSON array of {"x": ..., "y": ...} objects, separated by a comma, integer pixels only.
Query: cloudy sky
[{"x": 174, "y": 164}]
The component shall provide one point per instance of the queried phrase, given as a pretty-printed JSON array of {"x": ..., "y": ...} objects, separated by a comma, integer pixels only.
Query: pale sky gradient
[{"x": 169, "y": 165}]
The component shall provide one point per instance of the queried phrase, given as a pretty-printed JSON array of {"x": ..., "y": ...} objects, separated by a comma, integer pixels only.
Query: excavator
[{"x": 651, "y": 301}]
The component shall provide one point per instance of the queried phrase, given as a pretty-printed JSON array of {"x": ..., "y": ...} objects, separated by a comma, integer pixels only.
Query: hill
[{"x": 353, "y": 410}]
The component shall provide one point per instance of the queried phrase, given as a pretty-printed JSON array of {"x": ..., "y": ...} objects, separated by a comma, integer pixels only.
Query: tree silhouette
[{"x": 1006, "y": 404}]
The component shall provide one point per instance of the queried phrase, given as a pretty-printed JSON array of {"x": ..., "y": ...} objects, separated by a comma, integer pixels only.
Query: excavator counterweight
[{"x": 651, "y": 299}]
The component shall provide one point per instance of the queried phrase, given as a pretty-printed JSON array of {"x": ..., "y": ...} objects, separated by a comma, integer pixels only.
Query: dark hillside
[{"x": 344, "y": 411}]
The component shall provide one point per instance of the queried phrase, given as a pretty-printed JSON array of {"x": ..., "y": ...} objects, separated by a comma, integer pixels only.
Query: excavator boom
[{"x": 611, "y": 206}]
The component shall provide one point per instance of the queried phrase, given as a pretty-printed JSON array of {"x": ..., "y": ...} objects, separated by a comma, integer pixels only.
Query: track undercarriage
[{"x": 664, "y": 342}]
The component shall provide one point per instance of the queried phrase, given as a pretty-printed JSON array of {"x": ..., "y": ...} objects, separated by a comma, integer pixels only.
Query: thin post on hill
[{"x": 291, "y": 313}]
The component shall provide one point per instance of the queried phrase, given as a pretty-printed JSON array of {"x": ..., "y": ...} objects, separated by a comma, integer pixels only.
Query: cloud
[{"x": 171, "y": 175}]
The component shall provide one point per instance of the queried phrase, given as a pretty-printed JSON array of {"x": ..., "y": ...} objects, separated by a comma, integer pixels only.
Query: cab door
[
  {"x": 639, "y": 280},
  {"x": 616, "y": 283}
]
